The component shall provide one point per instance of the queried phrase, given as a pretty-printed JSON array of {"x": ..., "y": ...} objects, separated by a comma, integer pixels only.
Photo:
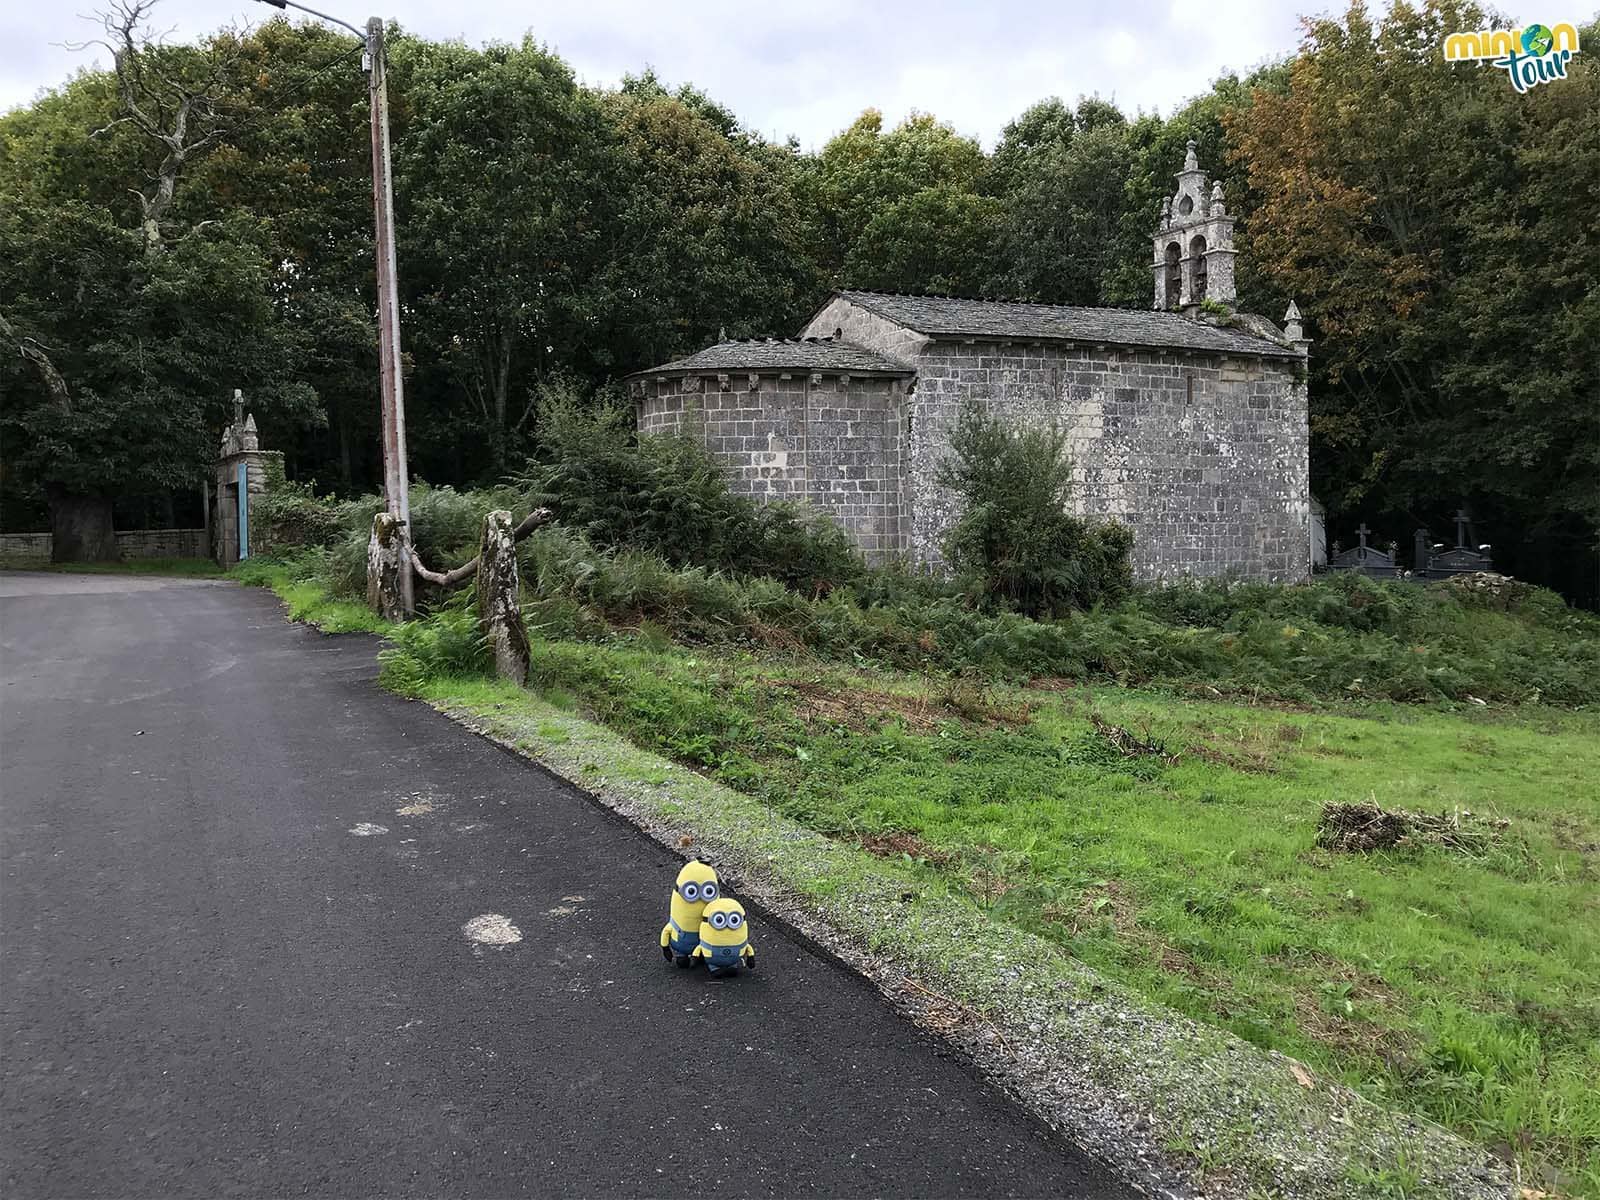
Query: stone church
[{"x": 1187, "y": 423}]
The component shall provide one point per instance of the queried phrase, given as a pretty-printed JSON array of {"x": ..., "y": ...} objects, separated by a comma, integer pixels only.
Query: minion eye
[
  {"x": 708, "y": 891},
  {"x": 691, "y": 891},
  {"x": 718, "y": 921},
  {"x": 735, "y": 920}
]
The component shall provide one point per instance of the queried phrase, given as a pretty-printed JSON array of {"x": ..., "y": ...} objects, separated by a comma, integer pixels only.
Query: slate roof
[
  {"x": 779, "y": 354},
  {"x": 950, "y": 316}
]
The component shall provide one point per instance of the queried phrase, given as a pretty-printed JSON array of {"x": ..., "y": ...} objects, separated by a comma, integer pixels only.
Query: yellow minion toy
[
  {"x": 724, "y": 938},
  {"x": 696, "y": 887}
]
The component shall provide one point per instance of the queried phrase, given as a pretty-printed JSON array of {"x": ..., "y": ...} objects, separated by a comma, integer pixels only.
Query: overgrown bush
[
  {"x": 1015, "y": 536},
  {"x": 446, "y": 524},
  {"x": 764, "y": 577},
  {"x": 292, "y": 516},
  {"x": 1335, "y": 638},
  {"x": 669, "y": 496},
  {"x": 1346, "y": 599}
]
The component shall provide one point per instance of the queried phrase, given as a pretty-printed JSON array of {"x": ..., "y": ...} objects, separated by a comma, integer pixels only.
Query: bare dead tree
[
  {"x": 175, "y": 105},
  {"x": 35, "y": 355}
]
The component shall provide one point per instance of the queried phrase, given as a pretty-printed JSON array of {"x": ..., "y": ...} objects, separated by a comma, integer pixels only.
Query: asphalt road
[{"x": 213, "y": 986}]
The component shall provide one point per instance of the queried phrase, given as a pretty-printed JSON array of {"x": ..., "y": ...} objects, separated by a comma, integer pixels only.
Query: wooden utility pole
[{"x": 396, "y": 490}]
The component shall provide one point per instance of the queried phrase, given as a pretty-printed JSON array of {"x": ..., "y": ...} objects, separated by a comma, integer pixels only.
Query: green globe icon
[{"x": 1537, "y": 40}]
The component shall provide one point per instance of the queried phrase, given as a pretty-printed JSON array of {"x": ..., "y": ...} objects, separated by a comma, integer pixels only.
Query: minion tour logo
[{"x": 1533, "y": 55}]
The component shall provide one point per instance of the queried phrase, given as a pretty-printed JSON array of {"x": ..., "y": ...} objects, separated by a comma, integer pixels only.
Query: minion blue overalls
[
  {"x": 724, "y": 958},
  {"x": 682, "y": 941}
]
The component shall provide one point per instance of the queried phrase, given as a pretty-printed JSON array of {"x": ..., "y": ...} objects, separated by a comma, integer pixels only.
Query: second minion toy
[
  {"x": 724, "y": 942},
  {"x": 696, "y": 887}
]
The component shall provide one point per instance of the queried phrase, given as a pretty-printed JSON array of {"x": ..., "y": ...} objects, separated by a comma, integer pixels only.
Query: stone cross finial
[
  {"x": 1361, "y": 532},
  {"x": 1463, "y": 523}
]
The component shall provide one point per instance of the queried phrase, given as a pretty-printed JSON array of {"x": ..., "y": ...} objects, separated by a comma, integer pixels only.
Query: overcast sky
[{"x": 806, "y": 69}]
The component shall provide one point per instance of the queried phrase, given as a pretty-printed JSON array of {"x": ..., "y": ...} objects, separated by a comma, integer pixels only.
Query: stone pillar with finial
[
  {"x": 1294, "y": 332},
  {"x": 243, "y": 474}
]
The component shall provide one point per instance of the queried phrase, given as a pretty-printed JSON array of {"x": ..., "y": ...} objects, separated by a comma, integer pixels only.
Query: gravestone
[
  {"x": 1369, "y": 560},
  {"x": 1461, "y": 559}
]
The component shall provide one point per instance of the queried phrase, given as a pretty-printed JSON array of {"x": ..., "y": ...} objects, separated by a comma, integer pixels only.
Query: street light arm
[{"x": 360, "y": 33}]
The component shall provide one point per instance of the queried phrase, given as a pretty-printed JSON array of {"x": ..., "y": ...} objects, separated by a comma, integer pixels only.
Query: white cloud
[{"x": 788, "y": 67}]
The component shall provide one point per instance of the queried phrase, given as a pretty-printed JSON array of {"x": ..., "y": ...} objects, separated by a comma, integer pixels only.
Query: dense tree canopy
[
  {"x": 1439, "y": 231},
  {"x": 1435, "y": 225}
]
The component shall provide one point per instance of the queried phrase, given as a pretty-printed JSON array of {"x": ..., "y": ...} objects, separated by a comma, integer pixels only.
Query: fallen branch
[{"x": 529, "y": 523}]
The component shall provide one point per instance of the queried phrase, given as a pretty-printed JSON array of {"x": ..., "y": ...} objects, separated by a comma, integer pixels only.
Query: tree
[
  {"x": 939, "y": 239},
  {"x": 505, "y": 172},
  {"x": 1432, "y": 224},
  {"x": 709, "y": 236},
  {"x": 297, "y": 154},
  {"x": 126, "y": 325},
  {"x": 1062, "y": 182},
  {"x": 904, "y": 210}
]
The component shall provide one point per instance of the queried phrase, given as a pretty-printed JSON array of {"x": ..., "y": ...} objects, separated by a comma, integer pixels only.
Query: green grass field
[{"x": 1461, "y": 985}]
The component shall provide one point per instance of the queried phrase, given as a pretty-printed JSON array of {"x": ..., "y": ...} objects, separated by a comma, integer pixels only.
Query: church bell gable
[{"x": 1193, "y": 243}]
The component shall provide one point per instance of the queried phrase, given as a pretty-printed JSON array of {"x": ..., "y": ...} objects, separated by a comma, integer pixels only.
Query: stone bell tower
[{"x": 1194, "y": 244}]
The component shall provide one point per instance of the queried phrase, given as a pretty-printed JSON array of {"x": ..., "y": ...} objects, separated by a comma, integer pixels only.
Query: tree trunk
[
  {"x": 500, "y": 598},
  {"x": 80, "y": 528},
  {"x": 388, "y": 555}
]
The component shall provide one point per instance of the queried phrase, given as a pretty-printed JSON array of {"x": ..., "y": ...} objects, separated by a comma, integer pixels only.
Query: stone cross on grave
[
  {"x": 1361, "y": 532},
  {"x": 1463, "y": 524}
]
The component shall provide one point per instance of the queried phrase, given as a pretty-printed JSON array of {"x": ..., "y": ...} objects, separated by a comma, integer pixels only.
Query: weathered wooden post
[
  {"x": 500, "y": 598},
  {"x": 388, "y": 567}
]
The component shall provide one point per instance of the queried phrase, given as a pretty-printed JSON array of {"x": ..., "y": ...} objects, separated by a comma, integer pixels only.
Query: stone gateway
[{"x": 1187, "y": 424}]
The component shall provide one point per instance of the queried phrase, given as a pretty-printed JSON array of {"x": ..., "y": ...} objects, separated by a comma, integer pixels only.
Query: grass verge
[
  {"x": 307, "y": 599},
  {"x": 198, "y": 568},
  {"x": 1127, "y": 1077}
]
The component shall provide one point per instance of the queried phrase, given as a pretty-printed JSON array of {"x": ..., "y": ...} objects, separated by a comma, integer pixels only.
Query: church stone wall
[
  {"x": 832, "y": 441},
  {"x": 1204, "y": 458}
]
